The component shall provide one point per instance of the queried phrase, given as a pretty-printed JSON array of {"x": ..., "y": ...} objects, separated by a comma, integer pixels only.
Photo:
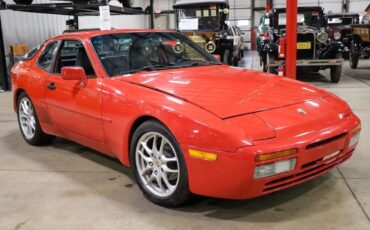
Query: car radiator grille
[{"x": 306, "y": 53}]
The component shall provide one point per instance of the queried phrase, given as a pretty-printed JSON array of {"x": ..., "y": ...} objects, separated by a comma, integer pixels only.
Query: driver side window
[{"x": 73, "y": 53}]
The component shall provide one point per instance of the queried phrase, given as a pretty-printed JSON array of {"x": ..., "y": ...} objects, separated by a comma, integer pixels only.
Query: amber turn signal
[
  {"x": 355, "y": 129},
  {"x": 273, "y": 155},
  {"x": 202, "y": 155}
]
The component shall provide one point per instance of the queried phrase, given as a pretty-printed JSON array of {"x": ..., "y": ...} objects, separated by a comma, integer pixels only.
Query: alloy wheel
[
  {"x": 157, "y": 164},
  {"x": 27, "y": 118}
]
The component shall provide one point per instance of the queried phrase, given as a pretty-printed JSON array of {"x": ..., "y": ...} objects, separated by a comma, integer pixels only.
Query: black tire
[
  {"x": 23, "y": 2},
  {"x": 182, "y": 193},
  {"x": 264, "y": 62},
  {"x": 335, "y": 73},
  {"x": 235, "y": 62},
  {"x": 39, "y": 137},
  {"x": 226, "y": 57},
  {"x": 353, "y": 56}
]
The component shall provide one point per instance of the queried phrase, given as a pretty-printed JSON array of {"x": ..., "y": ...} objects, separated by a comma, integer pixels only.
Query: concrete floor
[{"x": 68, "y": 186}]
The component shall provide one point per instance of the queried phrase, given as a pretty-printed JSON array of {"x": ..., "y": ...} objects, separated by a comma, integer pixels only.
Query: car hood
[{"x": 227, "y": 91}]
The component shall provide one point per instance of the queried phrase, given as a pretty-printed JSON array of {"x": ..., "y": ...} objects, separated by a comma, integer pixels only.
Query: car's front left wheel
[
  {"x": 159, "y": 165},
  {"x": 29, "y": 123}
]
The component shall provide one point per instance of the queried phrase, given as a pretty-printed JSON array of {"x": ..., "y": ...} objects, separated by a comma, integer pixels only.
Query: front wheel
[
  {"x": 159, "y": 165},
  {"x": 335, "y": 73}
]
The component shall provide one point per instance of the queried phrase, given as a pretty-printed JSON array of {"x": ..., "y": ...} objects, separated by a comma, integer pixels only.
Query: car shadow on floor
[
  {"x": 278, "y": 206},
  {"x": 312, "y": 77}
]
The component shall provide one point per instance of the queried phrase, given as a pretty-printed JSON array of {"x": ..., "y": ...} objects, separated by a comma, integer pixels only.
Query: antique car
[
  {"x": 339, "y": 28},
  {"x": 360, "y": 40},
  {"x": 184, "y": 122},
  {"x": 315, "y": 51},
  {"x": 204, "y": 22}
]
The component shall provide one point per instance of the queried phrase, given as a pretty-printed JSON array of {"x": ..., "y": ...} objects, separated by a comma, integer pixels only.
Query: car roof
[
  {"x": 342, "y": 14},
  {"x": 303, "y": 8},
  {"x": 88, "y": 33}
]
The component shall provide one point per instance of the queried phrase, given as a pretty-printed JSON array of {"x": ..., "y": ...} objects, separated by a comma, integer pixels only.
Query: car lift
[{"x": 89, "y": 8}]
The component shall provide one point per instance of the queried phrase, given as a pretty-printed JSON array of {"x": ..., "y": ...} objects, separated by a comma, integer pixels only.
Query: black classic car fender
[{"x": 332, "y": 50}]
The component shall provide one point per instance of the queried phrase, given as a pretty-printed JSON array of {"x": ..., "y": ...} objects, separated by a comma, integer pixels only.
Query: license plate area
[{"x": 303, "y": 45}]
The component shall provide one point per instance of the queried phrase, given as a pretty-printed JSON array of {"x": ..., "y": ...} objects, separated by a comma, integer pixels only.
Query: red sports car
[{"x": 183, "y": 121}]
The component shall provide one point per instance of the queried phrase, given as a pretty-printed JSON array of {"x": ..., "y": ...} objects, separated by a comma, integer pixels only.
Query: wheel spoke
[
  {"x": 146, "y": 148},
  {"x": 169, "y": 170},
  {"x": 163, "y": 142},
  {"x": 159, "y": 181},
  {"x": 145, "y": 158},
  {"x": 25, "y": 110},
  {"x": 168, "y": 184},
  {"x": 168, "y": 159},
  {"x": 147, "y": 169}
]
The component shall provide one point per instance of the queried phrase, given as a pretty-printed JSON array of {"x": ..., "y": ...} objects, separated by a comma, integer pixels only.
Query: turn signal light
[
  {"x": 202, "y": 155},
  {"x": 355, "y": 129},
  {"x": 273, "y": 155}
]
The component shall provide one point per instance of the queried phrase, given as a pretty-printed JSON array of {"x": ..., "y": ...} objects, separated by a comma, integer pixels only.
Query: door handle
[{"x": 51, "y": 86}]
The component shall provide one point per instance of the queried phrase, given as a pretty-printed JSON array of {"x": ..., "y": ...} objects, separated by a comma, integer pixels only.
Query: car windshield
[
  {"x": 204, "y": 18},
  {"x": 127, "y": 53},
  {"x": 309, "y": 18},
  {"x": 340, "y": 21}
]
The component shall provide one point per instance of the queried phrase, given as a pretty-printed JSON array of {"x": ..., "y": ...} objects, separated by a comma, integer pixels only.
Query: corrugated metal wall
[{"x": 30, "y": 28}]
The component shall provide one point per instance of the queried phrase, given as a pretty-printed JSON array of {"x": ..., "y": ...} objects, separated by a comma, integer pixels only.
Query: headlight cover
[
  {"x": 322, "y": 37},
  {"x": 274, "y": 168},
  {"x": 337, "y": 35}
]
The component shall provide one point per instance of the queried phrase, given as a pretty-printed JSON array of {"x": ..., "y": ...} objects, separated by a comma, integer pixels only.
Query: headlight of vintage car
[
  {"x": 210, "y": 47},
  {"x": 322, "y": 37},
  {"x": 337, "y": 35}
]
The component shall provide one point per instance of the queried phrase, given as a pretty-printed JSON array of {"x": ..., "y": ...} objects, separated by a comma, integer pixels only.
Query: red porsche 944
[{"x": 184, "y": 122}]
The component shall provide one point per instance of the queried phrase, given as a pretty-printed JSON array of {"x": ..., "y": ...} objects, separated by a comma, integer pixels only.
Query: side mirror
[
  {"x": 74, "y": 73},
  {"x": 217, "y": 56}
]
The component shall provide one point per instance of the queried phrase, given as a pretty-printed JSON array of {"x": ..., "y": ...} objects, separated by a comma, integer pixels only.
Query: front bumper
[
  {"x": 231, "y": 176},
  {"x": 318, "y": 62}
]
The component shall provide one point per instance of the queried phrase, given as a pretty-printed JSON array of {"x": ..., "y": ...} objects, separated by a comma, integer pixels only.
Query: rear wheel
[
  {"x": 353, "y": 56},
  {"x": 226, "y": 57},
  {"x": 159, "y": 165},
  {"x": 29, "y": 123},
  {"x": 264, "y": 62}
]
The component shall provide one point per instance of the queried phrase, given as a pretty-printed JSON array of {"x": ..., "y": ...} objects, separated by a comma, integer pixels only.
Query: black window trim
[
  {"x": 46, "y": 45},
  {"x": 59, "y": 49}
]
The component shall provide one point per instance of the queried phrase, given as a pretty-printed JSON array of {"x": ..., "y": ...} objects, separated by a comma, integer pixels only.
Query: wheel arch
[
  {"x": 139, "y": 121},
  {"x": 17, "y": 93}
]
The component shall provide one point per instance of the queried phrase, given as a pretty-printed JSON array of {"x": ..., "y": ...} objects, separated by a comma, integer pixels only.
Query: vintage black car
[
  {"x": 315, "y": 51},
  {"x": 339, "y": 28}
]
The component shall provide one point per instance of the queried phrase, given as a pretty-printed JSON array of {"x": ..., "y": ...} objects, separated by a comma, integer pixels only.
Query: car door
[{"x": 74, "y": 107}]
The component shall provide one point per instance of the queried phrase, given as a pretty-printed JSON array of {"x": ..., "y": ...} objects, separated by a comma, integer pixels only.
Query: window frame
[
  {"x": 58, "y": 52},
  {"x": 52, "y": 62}
]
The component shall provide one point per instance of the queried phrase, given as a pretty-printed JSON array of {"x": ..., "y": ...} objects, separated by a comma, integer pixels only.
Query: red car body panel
[{"x": 232, "y": 112}]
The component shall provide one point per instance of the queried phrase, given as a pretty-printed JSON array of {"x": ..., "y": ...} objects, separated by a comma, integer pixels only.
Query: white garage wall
[{"x": 29, "y": 28}]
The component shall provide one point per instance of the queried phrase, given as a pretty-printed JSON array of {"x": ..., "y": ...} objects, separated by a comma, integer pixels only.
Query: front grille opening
[
  {"x": 326, "y": 141},
  {"x": 309, "y": 173}
]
